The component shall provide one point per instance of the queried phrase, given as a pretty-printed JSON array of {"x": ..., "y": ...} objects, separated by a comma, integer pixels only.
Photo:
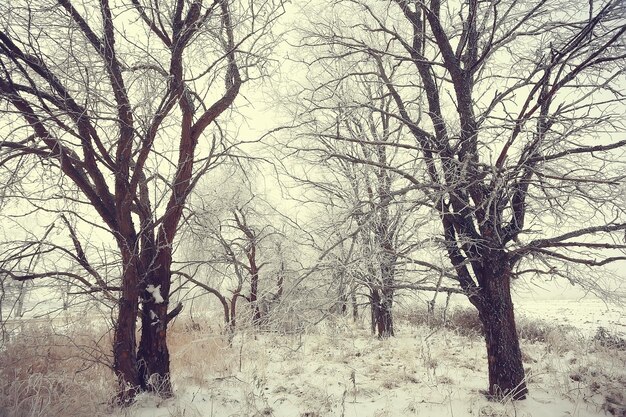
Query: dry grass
[
  {"x": 605, "y": 338},
  {"x": 593, "y": 375},
  {"x": 196, "y": 353},
  {"x": 48, "y": 373},
  {"x": 463, "y": 321}
]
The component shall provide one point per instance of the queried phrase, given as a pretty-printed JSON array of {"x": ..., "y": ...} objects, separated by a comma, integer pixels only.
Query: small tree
[{"x": 232, "y": 240}]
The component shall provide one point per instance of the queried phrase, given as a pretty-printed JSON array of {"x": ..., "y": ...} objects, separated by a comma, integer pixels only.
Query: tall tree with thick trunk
[
  {"x": 505, "y": 103},
  {"x": 119, "y": 98}
]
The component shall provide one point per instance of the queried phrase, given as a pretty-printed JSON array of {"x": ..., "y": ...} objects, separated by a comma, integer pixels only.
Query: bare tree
[
  {"x": 512, "y": 109},
  {"x": 371, "y": 217},
  {"x": 118, "y": 99},
  {"x": 231, "y": 243}
]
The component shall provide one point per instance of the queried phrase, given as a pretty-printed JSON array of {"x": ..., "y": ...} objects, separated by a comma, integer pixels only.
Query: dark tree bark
[
  {"x": 153, "y": 353},
  {"x": 124, "y": 339},
  {"x": 495, "y": 309},
  {"x": 381, "y": 302}
]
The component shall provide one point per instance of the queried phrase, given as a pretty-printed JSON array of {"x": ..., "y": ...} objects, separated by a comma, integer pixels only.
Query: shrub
[{"x": 604, "y": 338}]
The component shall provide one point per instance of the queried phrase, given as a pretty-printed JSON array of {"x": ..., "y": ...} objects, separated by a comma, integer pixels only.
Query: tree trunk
[
  {"x": 124, "y": 341},
  {"x": 153, "y": 354},
  {"x": 385, "y": 320},
  {"x": 343, "y": 304},
  {"x": 281, "y": 282},
  {"x": 227, "y": 327},
  {"x": 355, "y": 307},
  {"x": 19, "y": 308},
  {"x": 374, "y": 303},
  {"x": 254, "y": 302},
  {"x": 506, "y": 370},
  {"x": 233, "y": 312},
  {"x": 382, "y": 317}
]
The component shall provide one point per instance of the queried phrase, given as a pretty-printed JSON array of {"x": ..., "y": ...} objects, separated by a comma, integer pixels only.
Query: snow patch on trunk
[{"x": 156, "y": 293}]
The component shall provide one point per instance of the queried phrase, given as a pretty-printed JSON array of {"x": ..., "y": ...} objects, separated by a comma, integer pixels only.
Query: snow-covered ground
[
  {"x": 339, "y": 369},
  {"x": 586, "y": 314}
]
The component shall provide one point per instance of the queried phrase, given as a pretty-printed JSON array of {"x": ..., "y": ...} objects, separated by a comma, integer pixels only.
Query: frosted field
[
  {"x": 585, "y": 314},
  {"x": 339, "y": 369}
]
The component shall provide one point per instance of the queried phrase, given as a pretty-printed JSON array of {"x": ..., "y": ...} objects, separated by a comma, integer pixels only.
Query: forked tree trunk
[{"x": 506, "y": 369}]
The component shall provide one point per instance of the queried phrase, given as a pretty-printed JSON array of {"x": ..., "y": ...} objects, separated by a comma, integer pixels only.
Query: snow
[
  {"x": 156, "y": 293},
  {"x": 585, "y": 315},
  {"x": 339, "y": 369}
]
